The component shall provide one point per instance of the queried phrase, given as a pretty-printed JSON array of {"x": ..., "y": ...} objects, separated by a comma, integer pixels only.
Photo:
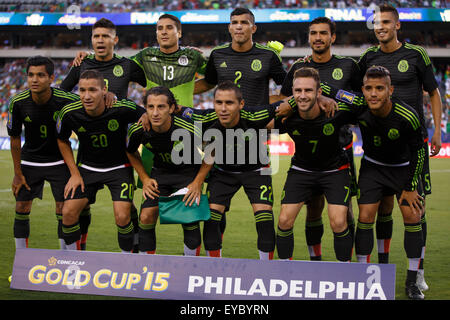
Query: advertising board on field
[{"x": 198, "y": 278}]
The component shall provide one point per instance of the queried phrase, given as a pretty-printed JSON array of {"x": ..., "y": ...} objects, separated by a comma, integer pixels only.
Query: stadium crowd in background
[{"x": 147, "y": 5}]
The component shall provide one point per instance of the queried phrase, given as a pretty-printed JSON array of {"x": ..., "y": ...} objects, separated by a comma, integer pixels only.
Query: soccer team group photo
[{"x": 278, "y": 142}]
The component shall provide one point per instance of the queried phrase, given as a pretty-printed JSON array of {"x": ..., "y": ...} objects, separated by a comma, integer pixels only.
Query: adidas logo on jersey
[
  {"x": 223, "y": 65},
  {"x": 81, "y": 129},
  {"x": 295, "y": 133},
  {"x": 154, "y": 59},
  {"x": 27, "y": 119}
]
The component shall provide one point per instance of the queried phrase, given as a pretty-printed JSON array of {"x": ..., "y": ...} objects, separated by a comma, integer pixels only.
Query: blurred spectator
[{"x": 172, "y": 5}]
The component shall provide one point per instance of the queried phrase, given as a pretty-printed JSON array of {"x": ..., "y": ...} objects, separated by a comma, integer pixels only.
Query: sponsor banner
[
  {"x": 443, "y": 153},
  {"x": 5, "y": 143},
  {"x": 75, "y": 18},
  {"x": 198, "y": 278}
]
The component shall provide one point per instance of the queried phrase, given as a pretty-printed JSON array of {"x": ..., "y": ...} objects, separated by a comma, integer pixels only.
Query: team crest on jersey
[
  {"x": 183, "y": 60},
  {"x": 403, "y": 66},
  {"x": 337, "y": 74},
  {"x": 328, "y": 129},
  {"x": 256, "y": 65},
  {"x": 118, "y": 71},
  {"x": 113, "y": 125},
  {"x": 393, "y": 134}
]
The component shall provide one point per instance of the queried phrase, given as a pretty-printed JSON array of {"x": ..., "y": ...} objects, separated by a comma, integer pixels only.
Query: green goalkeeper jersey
[{"x": 175, "y": 71}]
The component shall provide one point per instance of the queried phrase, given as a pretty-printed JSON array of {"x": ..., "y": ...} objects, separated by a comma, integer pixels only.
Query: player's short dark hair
[
  {"x": 160, "y": 91},
  {"x": 326, "y": 20},
  {"x": 173, "y": 18},
  {"x": 93, "y": 74},
  {"x": 104, "y": 23},
  {"x": 240, "y": 11},
  {"x": 377, "y": 72},
  {"x": 41, "y": 61},
  {"x": 229, "y": 85},
  {"x": 386, "y": 7},
  {"x": 307, "y": 72}
]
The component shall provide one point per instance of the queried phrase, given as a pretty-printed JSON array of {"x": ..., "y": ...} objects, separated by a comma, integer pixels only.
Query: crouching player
[
  {"x": 101, "y": 158},
  {"x": 319, "y": 165},
  {"x": 168, "y": 175},
  {"x": 392, "y": 163}
]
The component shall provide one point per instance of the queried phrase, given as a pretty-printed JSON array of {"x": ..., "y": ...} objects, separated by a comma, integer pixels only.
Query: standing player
[
  {"x": 342, "y": 72},
  {"x": 101, "y": 157},
  {"x": 319, "y": 165},
  {"x": 117, "y": 71},
  {"x": 248, "y": 64},
  {"x": 393, "y": 159},
  {"x": 411, "y": 72},
  {"x": 39, "y": 159},
  {"x": 167, "y": 176}
]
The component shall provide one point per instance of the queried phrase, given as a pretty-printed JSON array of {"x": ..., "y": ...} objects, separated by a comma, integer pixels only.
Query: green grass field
[{"x": 239, "y": 239}]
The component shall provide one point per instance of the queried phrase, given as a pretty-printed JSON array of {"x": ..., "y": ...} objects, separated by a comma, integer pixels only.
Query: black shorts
[
  {"x": 57, "y": 176},
  {"x": 120, "y": 183},
  {"x": 222, "y": 185},
  {"x": 425, "y": 176},
  {"x": 169, "y": 181},
  {"x": 300, "y": 186},
  {"x": 377, "y": 181}
]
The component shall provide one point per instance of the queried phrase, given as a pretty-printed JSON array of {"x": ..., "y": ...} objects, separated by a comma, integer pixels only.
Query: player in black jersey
[
  {"x": 240, "y": 160},
  {"x": 36, "y": 109},
  {"x": 393, "y": 159},
  {"x": 249, "y": 65},
  {"x": 101, "y": 158},
  {"x": 319, "y": 165},
  {"x": 342, "y": 72},
  {"x": 118, "y": 73},
  {"x": 167, "y": 175},
  {"x": 411, "y": 73}
]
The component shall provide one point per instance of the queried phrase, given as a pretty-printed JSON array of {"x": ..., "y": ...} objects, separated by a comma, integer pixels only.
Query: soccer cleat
[
  {"x": 421, "y": 281},
  {"x": 413, "y": 292}
]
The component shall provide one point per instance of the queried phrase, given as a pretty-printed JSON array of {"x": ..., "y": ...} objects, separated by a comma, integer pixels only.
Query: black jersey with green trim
[
  {"x": 317, "y": 146},
  {"x": 250, "y": 70},
  {"x": 102, "y": 139},
  {"x": 339, "y": 71},
  {"x": 411, "y": 73},
  {"x": 175, "y": 71},
  {"x": 246, "y": 142},
  {"x": 395, "y": 140},
  {"x": 39, "y": 122},
  {"x": 118, "y": 73},
  {"x": 181, "y": 137}
]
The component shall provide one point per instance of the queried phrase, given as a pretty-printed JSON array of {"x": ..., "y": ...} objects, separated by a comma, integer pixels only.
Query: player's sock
[
  {"x": 364, "y": 241},
  {"x": 423, "y": 222},
  {"x": 192, "y": 239},
  {"x": 313, "y": 233},
  {"x": 285, "y": 243},
  {"x": 62, "y": 244},
  {"x": 85, "y": 221},
  {"x": 223, "y": 225},
  {"x": 384, "y": 226},
  {"x": 266, "y": 234},
  {"x": 147, "y": 237},
  {"x": 211, "y": 234},
  {"x": 72, "y": 235},
  {"x": 413, "y": 247},
  {"x": 125, "y": 237},
  {"x": 135, "y": 221},
  {"x": 21, "y": 229},
  {"x": 343, "y": 245}
]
